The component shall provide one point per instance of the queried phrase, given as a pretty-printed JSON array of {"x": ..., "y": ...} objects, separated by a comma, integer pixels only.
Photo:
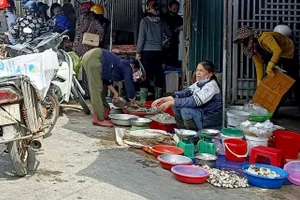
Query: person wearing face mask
[
  {"x": 149, "y": 49},
  {"x": 200, "y": 105},
  {"x": 174, "y": 22}
]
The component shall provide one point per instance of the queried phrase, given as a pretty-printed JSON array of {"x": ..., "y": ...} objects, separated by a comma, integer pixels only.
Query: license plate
[{"x": 14, "y": 113}]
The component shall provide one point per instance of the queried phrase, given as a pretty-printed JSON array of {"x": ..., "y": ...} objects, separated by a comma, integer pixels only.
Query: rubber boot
[
  {"x": 190, "y": 124},
  {"x": 103, "y": 123},
  {"x": 179, "y": 122},
  {"x": 106, "y": 112},
  {"x": 158, "y": 92},
  {"x": 143, "y": 96}
]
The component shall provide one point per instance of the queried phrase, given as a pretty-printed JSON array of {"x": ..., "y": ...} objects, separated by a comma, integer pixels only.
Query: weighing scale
[
  {"x": 206, "y": 144},
  {"x": 186, "y": 143}
]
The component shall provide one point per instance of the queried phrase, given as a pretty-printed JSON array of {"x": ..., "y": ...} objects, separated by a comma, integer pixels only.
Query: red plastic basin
[
  {"x": 163, "y": 127},
  {"x": 289, "y": 142},
  {"x": 190, "y": 174},
  {"x": 166, "y": 149},
  {"x": 168, "y": 161}
]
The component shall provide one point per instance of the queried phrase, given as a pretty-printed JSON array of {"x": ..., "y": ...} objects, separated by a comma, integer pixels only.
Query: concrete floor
[{"x": 81, "y": 161}]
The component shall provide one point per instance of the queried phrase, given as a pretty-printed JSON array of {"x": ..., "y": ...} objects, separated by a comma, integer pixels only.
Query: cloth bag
[{"x": 91, "y": 39}]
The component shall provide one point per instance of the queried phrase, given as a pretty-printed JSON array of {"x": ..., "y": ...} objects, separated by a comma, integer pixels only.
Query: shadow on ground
[
  {"x": 81, "y": 123},
  {"x": 7, "y": 171},
  {"x": 144, "y": 176}
]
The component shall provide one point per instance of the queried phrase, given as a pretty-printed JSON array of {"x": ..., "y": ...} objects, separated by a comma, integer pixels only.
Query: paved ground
[{"x": 81, "y": 161}]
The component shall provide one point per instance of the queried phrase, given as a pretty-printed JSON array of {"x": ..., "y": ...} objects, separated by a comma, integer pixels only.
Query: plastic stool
[{"x": 260, "y": 153}]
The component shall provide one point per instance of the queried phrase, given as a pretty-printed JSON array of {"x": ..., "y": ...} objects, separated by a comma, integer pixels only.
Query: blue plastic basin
[{"x": 265, "y": 182}]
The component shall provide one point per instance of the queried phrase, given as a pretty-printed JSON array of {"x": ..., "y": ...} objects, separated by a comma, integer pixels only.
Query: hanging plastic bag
[
  {"x": 77, "y": 62},
  {"x": 4, "y": 4}
]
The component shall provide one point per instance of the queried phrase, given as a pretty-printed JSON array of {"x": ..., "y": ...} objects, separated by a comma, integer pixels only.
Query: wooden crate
[{"x": 271, "y": 90}]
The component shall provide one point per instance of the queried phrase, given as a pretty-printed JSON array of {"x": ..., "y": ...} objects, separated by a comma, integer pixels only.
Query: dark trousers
[{"x": 152, "y": 62}]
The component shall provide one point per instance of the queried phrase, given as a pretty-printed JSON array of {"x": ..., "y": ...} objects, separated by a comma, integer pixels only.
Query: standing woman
[
  {"x": 84, "y": 18},
  {"x": 90, "y": 24},
  {"x": 149, "y": 48}
]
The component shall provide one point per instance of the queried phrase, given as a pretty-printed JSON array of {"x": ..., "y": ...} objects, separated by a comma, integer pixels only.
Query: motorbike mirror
[{"x": 27, "y": 30}]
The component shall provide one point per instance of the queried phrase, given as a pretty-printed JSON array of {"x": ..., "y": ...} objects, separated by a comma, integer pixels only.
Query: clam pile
[
  {"x": 164, "y": 118},
  {"x": 262, "y": 171},
  {"x": 226, "y": 179}
]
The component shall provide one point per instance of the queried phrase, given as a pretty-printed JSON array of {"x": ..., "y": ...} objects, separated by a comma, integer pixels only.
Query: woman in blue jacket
[
  {"x": 102, "y": 68},
  {"x": 199, "y": 106}
]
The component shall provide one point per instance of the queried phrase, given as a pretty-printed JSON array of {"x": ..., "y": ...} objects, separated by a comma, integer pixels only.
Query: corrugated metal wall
[
  {"x": 206, "y": 32},
  {"x": 127, "y": 13}
]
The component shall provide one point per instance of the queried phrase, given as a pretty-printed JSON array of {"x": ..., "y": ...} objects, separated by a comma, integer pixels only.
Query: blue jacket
[
  {"x": 116, "y": 69},
  {"x": 205, "y": 96}
]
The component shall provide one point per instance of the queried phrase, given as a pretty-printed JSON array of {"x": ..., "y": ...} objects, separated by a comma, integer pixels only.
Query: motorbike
[
  {"x": 22, "y": 120},
  {"x": 64, "y": 84}
]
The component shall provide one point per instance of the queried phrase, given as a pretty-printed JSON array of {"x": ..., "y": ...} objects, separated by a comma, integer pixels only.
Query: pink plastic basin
[{"x": 293, "y": 168}]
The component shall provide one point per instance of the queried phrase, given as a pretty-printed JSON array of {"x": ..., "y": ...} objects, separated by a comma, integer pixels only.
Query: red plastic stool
[{"x": 260, "y": 153}]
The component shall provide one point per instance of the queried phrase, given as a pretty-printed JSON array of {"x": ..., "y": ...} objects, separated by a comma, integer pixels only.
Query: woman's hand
[
  {"x": 116, "y": 97},
  {"x": 134, "y": 104},
  {"x": 166, "y": 105},
  {"x": 159, "y": 102},
  {"x": 138, "y": 56}
]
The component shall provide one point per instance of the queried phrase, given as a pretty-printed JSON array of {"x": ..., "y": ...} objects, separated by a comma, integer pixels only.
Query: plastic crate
[{"x": 271, "y": 90}]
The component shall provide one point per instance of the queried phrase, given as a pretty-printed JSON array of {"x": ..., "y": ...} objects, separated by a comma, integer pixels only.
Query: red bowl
[
  {"x": 163, "y": 127},
  {"x": 166, "y": 149},
  {"x": 190, "y": 174},
  {"x": 168, "y": 164}
]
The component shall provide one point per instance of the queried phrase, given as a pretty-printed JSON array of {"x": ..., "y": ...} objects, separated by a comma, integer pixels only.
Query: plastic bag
[
  {"x": 262, "y": 130},
  {"x": 255, "y": 109},
  {"x": 77, "y": 62},
  {"x": 219, "y": 146}
]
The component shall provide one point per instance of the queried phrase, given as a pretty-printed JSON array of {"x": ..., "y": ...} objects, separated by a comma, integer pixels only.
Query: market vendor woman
[
  {"x": 102, "y": 68},
  {"x": 199, "y": 106}
]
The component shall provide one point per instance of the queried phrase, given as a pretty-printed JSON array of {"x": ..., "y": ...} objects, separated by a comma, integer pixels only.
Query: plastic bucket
[
  {"x": 227, "y": 133},
  {"x": 235, "y": 117},
  {"x": 236, "y": 150},
  {"x": 289, "y": 142},
  {"x": 256, "y": 141}
]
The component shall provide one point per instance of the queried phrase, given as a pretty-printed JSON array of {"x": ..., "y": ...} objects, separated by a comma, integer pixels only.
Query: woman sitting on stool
[{"x": 199, "y": 106}]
